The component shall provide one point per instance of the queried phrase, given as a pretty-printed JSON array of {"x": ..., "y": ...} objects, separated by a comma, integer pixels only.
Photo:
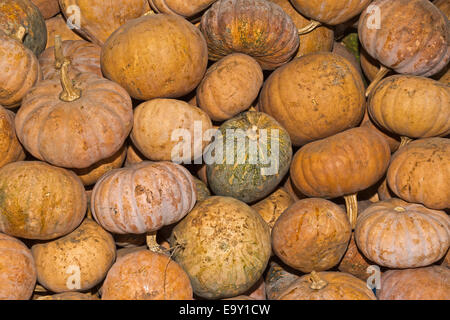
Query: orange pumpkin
[
  {"x": 10, "y": 148},
  {"x": 392, "y": 139},
  {"x": 48, "y": 8}
]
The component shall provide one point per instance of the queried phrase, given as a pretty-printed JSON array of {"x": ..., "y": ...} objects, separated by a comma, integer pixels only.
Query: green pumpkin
[
  {"x": 351, "y": 42},
  {"x": 254, "y": 168},
  {"x": 202, "y": 190},
  {"x": 17, "y": 14}
]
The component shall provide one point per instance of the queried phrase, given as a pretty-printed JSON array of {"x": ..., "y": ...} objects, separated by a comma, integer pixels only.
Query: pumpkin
[
  {"x": 48, "y": 8},
  {"x": 183, "y": 8},
  {"x": 445, "y": 78},
  {"x": 314, "y": 97},
  {"x": 443, "y": 5},
  {"x": 411, "y": 106},
  {"x": 341, "y": 165},
  {"x": 397, "y": 234},
  {"x": 354, "y": 262},
  {"x": 124, "y": 251},
  {"x": 278, "y": 278},
  {"x": 90, "y": 175},
  {"x": 39, "y": 201},
  {"x": 17, "y": 269},
  {"x": 273, "y": 206},
  {"x": 420, "y": 171},
  {"x": 430, "y": 283},
  {"x": 370, "y": 66},
  {"x": 341, "y": 49},
  {"x": 260, "y": 157},
  {"x": 84, "y": 57},
  {"x": 202, "y": 190},
  {"x": 16, "y": 15},
  {"x": 58, "y": 26},
  {"x": 160, "y": 124},
  {"x": 10, "y": 148},
  {"x": 132, "y": 57},
  {"x": 100, "y": 18},
  {"x": 292, "y": 190},
  {"x": 20, "y": 71},
  {"x": 320, "y": 39},
  {"x": 230, "y": 86},
  {"x": 223, "y": 245},
  {"x": 244, "y": 26},
  {"x": 145, "y": 275},
  {"x": 311, "y": 235},
  {"x": 74, "y": 122},
  {"x": 69, "y": 296},
  {"x": 133, "y": 155},
  {"x": 143, "y": 198},
  {"x": 391, "y": 138},
  {"x": 130, "y": 240},
  {"x": 88, "y": 252}
]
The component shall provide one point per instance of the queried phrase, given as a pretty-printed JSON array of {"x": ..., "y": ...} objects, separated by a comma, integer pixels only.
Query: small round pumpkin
[
  {"x": 132, "y": 57},
  {"x": 311, "y": 235},
  {"x": 17, "y": 269},
  {"x": 430, "y": 283},
  {"x": 420, "y": 172},
  {"x": 354, "y": 262},
  {"x": 244, "y": 26},
  {"x": 314, "y": 97},
  {"x": 48, "y": 8},
  {"x": 223, "y": 245},
  {"x": 145, "y": 275},
  {"x": 183, "y": 8},
  {"x": 397, "y": 234},
  {"x": 10, "y": 148},
  {"x": 88, "y": 252},
  {"x": 58, "y": 26},
  {"x": 39, "y": 201}
]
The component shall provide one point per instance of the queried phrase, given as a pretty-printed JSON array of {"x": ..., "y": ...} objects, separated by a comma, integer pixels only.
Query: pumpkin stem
[
  {"x": 59, "y": 56},
  {"x": 153, "y": 245},
  {"x": 20, "y": 33},
  {"x": 69, "y": 93},
  {"x": 309, "y": 27},
  {"x": 351, "y": 203},
  {"x": 380, "y": 75},
  {"x": 316, "y": 282},
  {"x": 404, "y": 141}
]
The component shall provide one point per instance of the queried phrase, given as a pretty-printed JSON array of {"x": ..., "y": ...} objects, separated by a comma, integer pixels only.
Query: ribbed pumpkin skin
[
  {"x": 397, "y": 234},
  {"x": 75, "y": 134},
  {"x": 10, "y": 148},
  {"x": 58, "y": 26},
  {"x": 420, "y": 172},
  {"x": 311, "y": 235},
  {"x": 132, "y": 57},
  {"x": 258, "y": 28},
  {"x": 314, "y": 97},
  {"x": 180, "y": 7},
  {"x": 39, "y": 201},
  {"x": 23, "y": 13},
  {"x": 100, "y": 18},
  {"x": 84, "y": 57},
  {"x": 17, "y": 269},
  {"x": 48, "y": 8},
  {"x": 245, "y": 180},
  {"x": 20, "y": 71},
  {"x": 343, "y": 164},
  {"x": 354, "y": 262},
  {"x": 331, "y": 12},
  {"x": 143, "y": 198},
  {"x": 226, "y": 247},
  {"x": 413, "y": 38},
  {"x": 411, "y": 106},
  {"x": 145, "y": 275},
  {"x": 430, "y": 283}
]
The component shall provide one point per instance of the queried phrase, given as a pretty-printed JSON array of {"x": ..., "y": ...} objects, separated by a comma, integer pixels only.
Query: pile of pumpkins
[{"x": 349, "y": 100}]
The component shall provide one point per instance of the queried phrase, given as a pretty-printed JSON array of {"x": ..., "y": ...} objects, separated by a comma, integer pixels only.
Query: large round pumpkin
[
  {"x": 397, "y": 234},
  {"x": 10, "y": 148},
  {"x": 39, "y": 201},
  {"x": 258, "y": 28},
  {"x": 48, "y": 8},
  {"x": 223, "y": 245},
  {"x": 17, "y": 269},
  {"x": 58, "y": 26},
  {"x": 134, "y": 58},
  {"x": 314, "y": 97},
  {"x": 420, "y": 172},
  {"x": 180, "y": 7}
]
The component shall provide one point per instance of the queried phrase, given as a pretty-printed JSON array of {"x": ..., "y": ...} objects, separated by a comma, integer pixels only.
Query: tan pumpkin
[
  {"x": 391, "y": 138},
  {"x": 420, "y": 171},
  {"x": 354, "y": 262},
  {"x": 39, "y": 201},
  {"x": 314, "y": 97},
  {"x": 430, "y": 283},
  {"x": 58, "y": 26},
  {"x": 10, "y": 148},
  {"x": 145, "y": 275},
  {"x": 183, "y": 8},
  {"x": 88, "y": 252},
  {"x": 397, "y": 234},
  {"x": 230, "y": 86},
  {"x": 311, "y": 235},
  {"x": 133, "y": 155},
  {"x": 48, "y": 8},
  {"x": 341, "y": 165},
  {"x": 100, "y": 18},
  {"x": 170, "y": 130},
  {"x": 20, "y": 70},
  {"x": 132, "y": 57},
  {"x": 17, "y": 269}
]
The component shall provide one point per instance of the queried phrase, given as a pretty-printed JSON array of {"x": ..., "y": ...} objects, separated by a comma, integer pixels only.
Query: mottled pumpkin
[
  {"x": 258, "y": 28},
  {"x": 10, "y": 148},
  {"x": 260, "y": 157},
  {"x": 223, "y": 245},
  {"x": 183, "y": 8},
  {"x": 17, "y": 269},
  {"x": 39, "y": 201},
  {"x": 314, "y": 97},
  {"x": 58, "y": 26},
  {"x": 48, "y": 8},
  {"x": 420, "y": 171},
  {"x": 278, "y": 278},
  {"x": 354, "y": 262},
  {"x": 202, "y": 190}
]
